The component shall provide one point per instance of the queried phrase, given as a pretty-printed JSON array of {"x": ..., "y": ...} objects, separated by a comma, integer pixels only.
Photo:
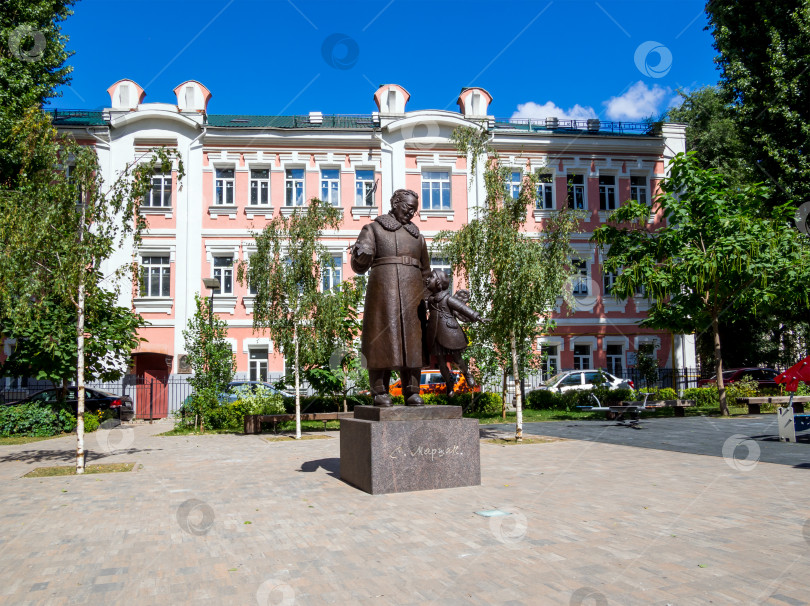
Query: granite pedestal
[{"x": 402, "y": 449}]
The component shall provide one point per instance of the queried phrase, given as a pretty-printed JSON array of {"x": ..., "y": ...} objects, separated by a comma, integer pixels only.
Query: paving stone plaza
[{"x": 230, "y": 519}]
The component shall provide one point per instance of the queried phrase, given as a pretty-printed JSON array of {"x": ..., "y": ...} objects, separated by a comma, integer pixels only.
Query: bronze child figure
[{"x": 444, "y": 337}]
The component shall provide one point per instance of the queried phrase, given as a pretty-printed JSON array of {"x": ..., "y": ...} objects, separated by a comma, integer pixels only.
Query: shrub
[
  {"x": 747, "y": 388},
  {"x": 91, "y": 422},
  {"x": 542, "y": 399},
  {"x": 35, "y": 419},
  {"x": 704, "y": 397},
  {"x": 666, "y": 393}
]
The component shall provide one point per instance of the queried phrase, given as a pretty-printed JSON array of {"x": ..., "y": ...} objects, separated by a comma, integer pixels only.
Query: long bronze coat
[{"x": 392, "y": 329}]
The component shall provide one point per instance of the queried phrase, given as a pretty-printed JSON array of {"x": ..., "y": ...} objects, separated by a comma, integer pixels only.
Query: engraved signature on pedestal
[{"x": 426, "y": 451}]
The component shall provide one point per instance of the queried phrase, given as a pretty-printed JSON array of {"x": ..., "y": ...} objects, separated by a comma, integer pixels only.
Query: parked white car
[{"x": 585, "y": 379}]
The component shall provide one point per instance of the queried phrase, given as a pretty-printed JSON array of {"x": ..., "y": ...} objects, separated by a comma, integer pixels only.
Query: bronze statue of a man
[{"x": 395, "y": 252}]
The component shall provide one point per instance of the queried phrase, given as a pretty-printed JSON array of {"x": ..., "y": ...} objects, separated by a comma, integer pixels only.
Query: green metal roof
[
  {"x": 242, "y": 121},
  {"x": 76, "y": 117}
]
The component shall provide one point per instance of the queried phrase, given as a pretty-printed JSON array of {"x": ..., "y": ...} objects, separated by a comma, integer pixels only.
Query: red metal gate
[{"x": 152, "y": 401}]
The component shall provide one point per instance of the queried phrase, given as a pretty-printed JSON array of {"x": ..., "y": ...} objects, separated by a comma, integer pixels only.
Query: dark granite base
[
  {"x": 406, "y": 413},
  {"x": 382, "y": 457}
]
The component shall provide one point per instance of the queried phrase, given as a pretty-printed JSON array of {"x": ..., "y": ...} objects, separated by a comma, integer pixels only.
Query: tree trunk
[
  {"x": 503, "y": 396},
  {"x": 297, "y": 390},
  {"x": 80, "y": 360},
  {"x": 518, "y": 395},
  {"x": 718, "y": 366}
]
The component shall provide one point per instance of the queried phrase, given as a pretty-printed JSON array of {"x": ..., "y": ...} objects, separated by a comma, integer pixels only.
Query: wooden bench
[
  {"x": 790, "y": 423},
  {"x": 636, "y": 406},
  {"x": 755, "y": 404},
  {"x": 253, "y": 423}
]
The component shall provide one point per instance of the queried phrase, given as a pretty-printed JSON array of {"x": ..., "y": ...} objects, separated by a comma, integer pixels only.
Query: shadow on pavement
[
  {"x": 66, "y": 456},
  {"x": 331, "y": 465}
]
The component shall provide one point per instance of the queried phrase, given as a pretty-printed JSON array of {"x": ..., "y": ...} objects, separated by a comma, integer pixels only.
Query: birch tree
[
  {"x": 722, "y": 252},
  {"x": 58, "y": 222},
  {"x": 290, "y": 306},
  {"x": 516, "y": 277}
]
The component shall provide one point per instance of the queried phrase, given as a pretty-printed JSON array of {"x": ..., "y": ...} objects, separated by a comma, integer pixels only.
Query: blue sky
[{"x": 614, "y": 59}]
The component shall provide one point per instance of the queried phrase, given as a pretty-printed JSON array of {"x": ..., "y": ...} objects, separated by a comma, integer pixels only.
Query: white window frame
[
  {"x": 260, "y": 186},
  {"x": 330, "y": 186},
  {"x": 164, "y": 197},
  {"x": 545, "y": 189},
  {"x": 581, "y": 278},
  {"x": 438, "y": 177},
  {"x": 576, "y": 191},
  {"x": 257, "y": 364},
  {"x": 636, "y": 189},
  {"x": 222, "y": 272},
  {"x": 611, "y": 359},
  {"x": 608, "y": 193},
  {"x": 145, "y": 290},
  {"x": 579, "y": 358},
  {"x": 293, "y": 184},
  {"x": 514, "y": 185},
  {"x": 550, "y": 364},
  {"x": 362, "y": 187},
  {"x": 608, "y": 282},
  {"x": 331, "y": 277},
  {"x": 224, "y": 186}
]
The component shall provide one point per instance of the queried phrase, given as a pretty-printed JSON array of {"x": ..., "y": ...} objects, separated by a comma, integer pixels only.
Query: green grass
[
  {"x": 70, "y": 470},
  {"x": 12, "y": 440}
]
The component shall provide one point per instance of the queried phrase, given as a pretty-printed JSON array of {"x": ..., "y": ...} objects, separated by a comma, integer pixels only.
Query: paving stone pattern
[{"x": 590, "y": 523}]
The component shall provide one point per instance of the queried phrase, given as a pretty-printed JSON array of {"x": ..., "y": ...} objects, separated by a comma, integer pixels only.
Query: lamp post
[{"x": 213, "y": 284}]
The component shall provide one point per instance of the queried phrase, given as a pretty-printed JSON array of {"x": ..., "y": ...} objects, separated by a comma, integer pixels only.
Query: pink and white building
[{"x": 241, "y": 170}]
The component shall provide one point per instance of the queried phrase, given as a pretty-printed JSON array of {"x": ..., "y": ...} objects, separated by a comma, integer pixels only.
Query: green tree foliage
[
  {"x": 46, "y": 347},
  {"x": 290, "y": 306},
  {"x": 647, "y": 363},
  {"x": 765, "y": 72},
  {"x": 211, "y": 359},
  {"x": 59, "y": 222},
  {"x": 514, "y": 278},
  {"x": 721, "y": 251},
  {"x": 32, "y": 66},
  {"x": 712, "y": 133}
]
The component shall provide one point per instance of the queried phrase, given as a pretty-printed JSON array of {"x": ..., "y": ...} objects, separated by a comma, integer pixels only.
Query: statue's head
[
  {"x": 437, "y": 281},
  {"x": 404, "y": 204}
]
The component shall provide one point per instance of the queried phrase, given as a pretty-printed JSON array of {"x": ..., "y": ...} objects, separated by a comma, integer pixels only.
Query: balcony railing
[{"x": 592, "y": 125}]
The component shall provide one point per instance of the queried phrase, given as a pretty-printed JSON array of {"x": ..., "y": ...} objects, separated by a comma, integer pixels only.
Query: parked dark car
[
  {"x": 94, "y": 401},
  {"x": 764, "y": 376}
]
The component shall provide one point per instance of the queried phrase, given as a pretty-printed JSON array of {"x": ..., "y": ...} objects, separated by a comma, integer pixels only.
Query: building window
[
  {"x": 331, "y": 274},
  {"x": 515, "y": 179},
  {"x": 638, "y": 189},
  {"x": 576, "y": 191},
  {"x": 257, "y": 365},
  {"x": 551, "y": 360},
  {"x": 582, "y": 357},
  {"x": 607, "y": 192},
  {"x": 580, "y": 278},
  {"x": 259, "y": 186},
  {"x": 223, "y": 271},
  {"x": 294, "y": 186},
  {"x": 608, "y": 280},
  {"x": 156, "y": 273},
  {"x": 436, "y": 190},
  {"x": 161, "y": 192},
  {"x": 442, "y": 264},
  {"x": 364, "y": 188},
  {"x": 330, "y": 186},
  {"x": 615, "y": 359},
  {"x": 545, "y": 195},
  {"x": 224, "y": 186}
]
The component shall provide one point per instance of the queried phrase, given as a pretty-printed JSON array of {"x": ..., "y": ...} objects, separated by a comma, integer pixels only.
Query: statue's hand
[{"x": 363, "y": 257}]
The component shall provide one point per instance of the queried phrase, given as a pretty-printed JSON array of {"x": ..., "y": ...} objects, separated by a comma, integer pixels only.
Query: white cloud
[
  {"x": 535, "y": 111},
  {"x": 637, "y": 103}
]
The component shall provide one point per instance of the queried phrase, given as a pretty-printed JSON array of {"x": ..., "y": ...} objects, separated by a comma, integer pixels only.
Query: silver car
[{"x": 585, "y": 379}]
